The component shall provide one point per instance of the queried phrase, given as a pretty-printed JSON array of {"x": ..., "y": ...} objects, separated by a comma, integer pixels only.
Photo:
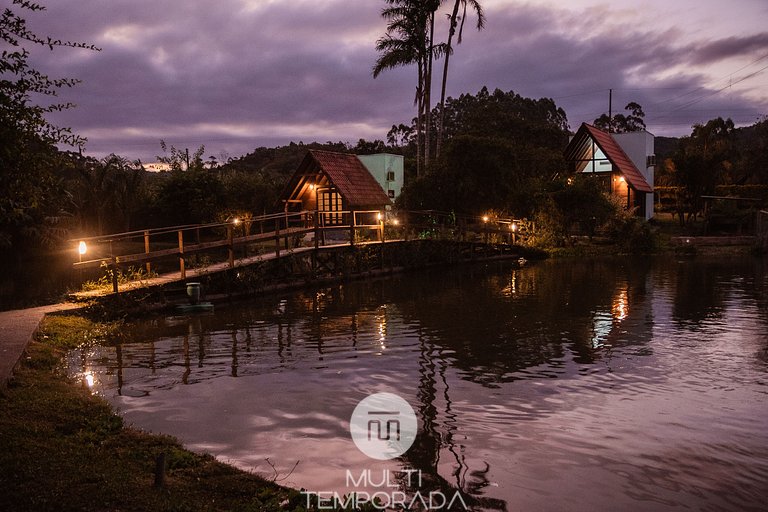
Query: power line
[{"x": 716, "y": 91}]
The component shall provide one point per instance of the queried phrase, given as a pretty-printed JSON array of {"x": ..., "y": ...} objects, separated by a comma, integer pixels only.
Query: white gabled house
[{"x": 623, "y": 162}]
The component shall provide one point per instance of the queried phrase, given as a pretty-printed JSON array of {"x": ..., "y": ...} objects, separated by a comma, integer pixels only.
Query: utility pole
[{"x": 610, "y": 110}]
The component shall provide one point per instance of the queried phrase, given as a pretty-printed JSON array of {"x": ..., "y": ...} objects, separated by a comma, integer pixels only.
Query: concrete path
[{"x": 16, "y": 330}]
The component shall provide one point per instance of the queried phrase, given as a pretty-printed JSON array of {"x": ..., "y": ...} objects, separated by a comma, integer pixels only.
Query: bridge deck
[{"x": 193, "y": 273}]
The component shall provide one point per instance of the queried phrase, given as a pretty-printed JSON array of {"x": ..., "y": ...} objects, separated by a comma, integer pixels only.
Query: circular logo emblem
[{"x": 383, "y": 426}]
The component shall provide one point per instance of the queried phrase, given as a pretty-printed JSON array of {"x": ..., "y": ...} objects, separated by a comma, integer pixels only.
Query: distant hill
[{"x": 281, "y": 161}]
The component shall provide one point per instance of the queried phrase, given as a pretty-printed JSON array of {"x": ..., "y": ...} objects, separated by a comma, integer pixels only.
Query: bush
[{"x": 631, "y": 233}]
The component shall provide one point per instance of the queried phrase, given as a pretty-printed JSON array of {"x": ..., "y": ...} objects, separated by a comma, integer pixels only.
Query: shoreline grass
[{"x": 63, "y": 449}]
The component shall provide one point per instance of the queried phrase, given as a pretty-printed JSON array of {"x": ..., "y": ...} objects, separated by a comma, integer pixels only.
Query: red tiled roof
[
  {"x": 613, "y": 152},
  {"x": 348, "y": 174}
]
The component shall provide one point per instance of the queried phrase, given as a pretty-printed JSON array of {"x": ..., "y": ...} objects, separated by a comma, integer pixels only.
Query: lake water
[{"x": 615, "y": 384}]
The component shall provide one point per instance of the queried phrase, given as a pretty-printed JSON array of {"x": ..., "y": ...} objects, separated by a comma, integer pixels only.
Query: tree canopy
[
  {"x": 500, "y": 150},
  {"x": 32, "y": 202},
  {"x": 633, "y": 121}
]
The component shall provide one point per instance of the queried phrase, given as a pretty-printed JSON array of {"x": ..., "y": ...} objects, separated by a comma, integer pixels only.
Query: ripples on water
[{"x": 612, "y": 384}]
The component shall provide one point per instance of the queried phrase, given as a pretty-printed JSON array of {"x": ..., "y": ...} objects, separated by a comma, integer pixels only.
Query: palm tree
[
  {"x": 453, "y": 21},
  {"x": 409, "y": 40},
  {"x": 433, "y": 50}
]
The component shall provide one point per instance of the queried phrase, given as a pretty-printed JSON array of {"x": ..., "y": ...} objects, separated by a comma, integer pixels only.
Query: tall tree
[
  {"x": 620, "y": 123},
  {"x": 179, "y": 160},
  {"x": 702, "y": 161},
  {"x": 409, "y": 40},
  {"x": 30, "y": 195},
  {"x": 453, "y": 22},
  {"x": 752, "y": 167},
  {"x": 431, "y": 7},
  {"x": 500, "y": 148}
]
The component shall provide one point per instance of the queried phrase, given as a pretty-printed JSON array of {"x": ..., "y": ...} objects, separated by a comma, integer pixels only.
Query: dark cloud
[
  {"x": 239, "y": 74},
  {"x": 736, "y": 46},
  {"x": 577, "y": 67}
]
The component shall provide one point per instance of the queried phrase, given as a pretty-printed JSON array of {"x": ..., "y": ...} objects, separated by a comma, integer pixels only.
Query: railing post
[
  {"x": 231, "y": 248},
  {"x": 277, "y": 237},
  {"x": 381, "y": 228},
  {"x": 182, "y": 270},
  {"x": 114, "y": 268},
  {"x": 148, "y": 264},
  {"x": 352, "y": 227},
  {"x": 115, "y": 271},
  {"x": 317, "y": 231},
  {"x": 316, "y": 221},
  {"x": 321, "y": 220}
]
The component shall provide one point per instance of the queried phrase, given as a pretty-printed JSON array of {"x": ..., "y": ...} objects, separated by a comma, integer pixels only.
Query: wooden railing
[{"x": 284, "y": 232}]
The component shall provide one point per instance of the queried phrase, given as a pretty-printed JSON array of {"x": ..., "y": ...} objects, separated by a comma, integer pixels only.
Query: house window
[
  {"x": 391, "y": 194},
  {"x": 650, "y": 161},
  {"x": 330, "y": 203},
  {"x": 390, "y": 175}
]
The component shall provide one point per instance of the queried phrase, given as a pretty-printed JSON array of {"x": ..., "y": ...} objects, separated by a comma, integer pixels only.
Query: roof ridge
[{"x": 633, "y": 175}]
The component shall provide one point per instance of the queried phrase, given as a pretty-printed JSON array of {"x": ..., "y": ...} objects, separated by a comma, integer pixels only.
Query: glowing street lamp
[
  {"x": 82, "y": 248},
  {"x": 485, "y": 218}
]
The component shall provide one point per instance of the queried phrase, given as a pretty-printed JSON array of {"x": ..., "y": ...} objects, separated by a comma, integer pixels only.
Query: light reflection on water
[{"x": 618, "y": 384}]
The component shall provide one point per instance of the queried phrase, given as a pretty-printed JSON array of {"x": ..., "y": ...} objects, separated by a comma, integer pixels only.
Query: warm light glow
[
  {"x": 378, "y": 216},
  {"x": 89, "y": 380},
  {"x": 235, "y": 221},
  {"x": 82, "y": 248},
  {"x": 620, "y": 307},
  {"x": 485, "y": 218},
  {"x": 513, "y": 227},
  {"x": 311, "y": 186},
  {"x": 382, "y": 328},
  {"x": 395, "y": 222},
  {"x": 621, "y": 179}
]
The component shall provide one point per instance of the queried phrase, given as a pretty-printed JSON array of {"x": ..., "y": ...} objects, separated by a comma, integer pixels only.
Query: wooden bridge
[{"x": 166, "y": 255}]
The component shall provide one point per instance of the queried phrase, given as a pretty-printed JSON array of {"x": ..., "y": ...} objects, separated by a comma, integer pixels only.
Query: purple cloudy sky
[{"x": 237, "y": 74}]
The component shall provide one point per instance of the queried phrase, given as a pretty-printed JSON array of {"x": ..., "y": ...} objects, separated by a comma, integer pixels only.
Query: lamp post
[{"x": 82, "y": 248}]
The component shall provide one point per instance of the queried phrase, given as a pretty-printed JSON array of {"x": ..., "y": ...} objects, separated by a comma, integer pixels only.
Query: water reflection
[{"x": 621, "y": 383}]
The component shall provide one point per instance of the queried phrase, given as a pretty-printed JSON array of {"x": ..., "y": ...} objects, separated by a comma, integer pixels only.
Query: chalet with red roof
[
  {"x": 623, "y": 162},
  {"x": 332, "y": 183}
]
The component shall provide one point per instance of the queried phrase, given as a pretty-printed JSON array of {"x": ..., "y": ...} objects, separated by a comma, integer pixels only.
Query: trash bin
[{"x": 193, "y": 292}]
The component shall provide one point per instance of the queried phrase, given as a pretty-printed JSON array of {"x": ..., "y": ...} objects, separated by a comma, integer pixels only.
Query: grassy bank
[
  {"x": 62, "y": 449},
  {"x": 662, "y": 230}
]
